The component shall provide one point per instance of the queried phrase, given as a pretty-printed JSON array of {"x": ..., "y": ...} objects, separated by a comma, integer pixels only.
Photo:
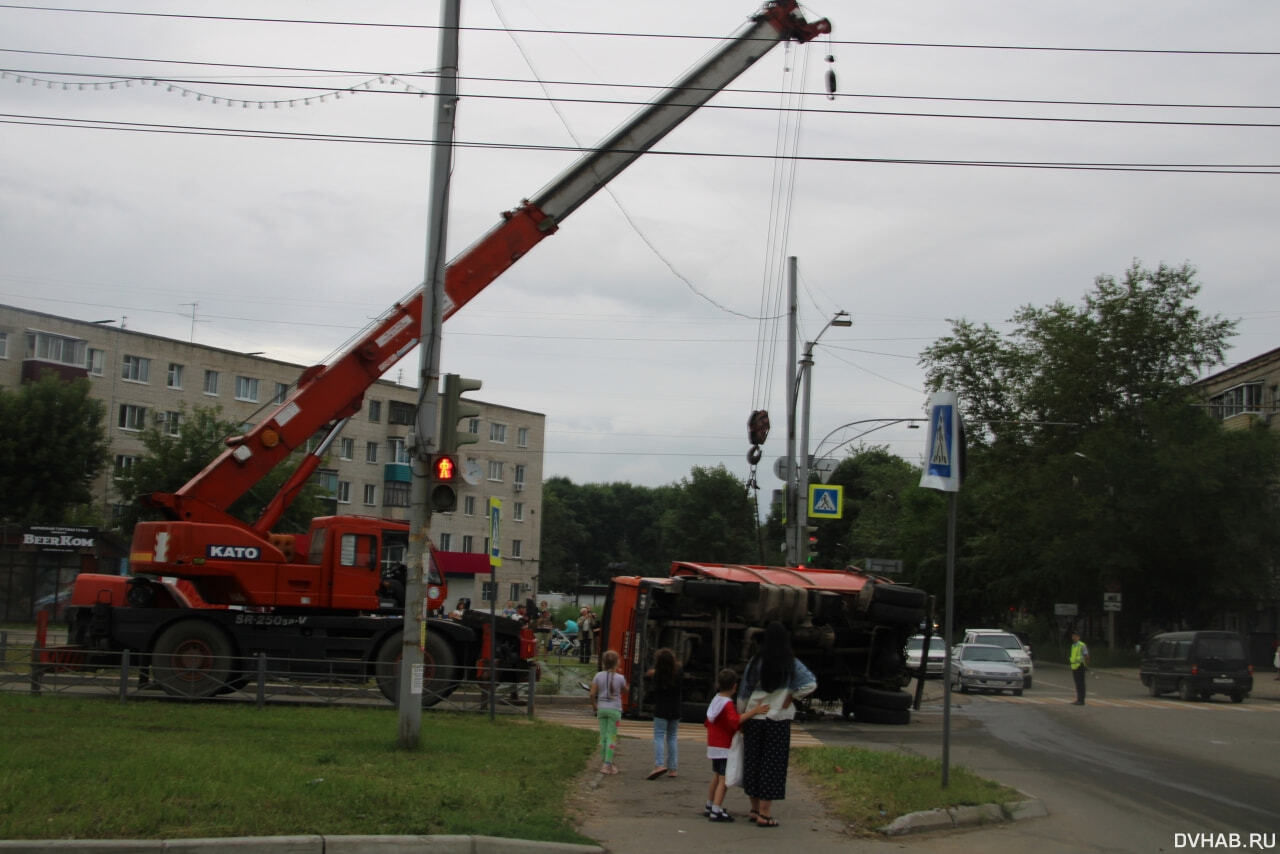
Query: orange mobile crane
[{"x": 321, "y": 595}]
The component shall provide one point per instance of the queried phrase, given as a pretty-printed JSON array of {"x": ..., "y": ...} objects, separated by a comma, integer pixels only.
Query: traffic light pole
[{"x": 424, "y": 433}]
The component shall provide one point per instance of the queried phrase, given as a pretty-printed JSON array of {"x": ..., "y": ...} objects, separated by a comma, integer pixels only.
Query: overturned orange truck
[{"x": 849, "y": 627}]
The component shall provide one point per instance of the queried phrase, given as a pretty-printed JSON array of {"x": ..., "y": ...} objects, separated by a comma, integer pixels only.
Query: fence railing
[{"x": 263, "y": 679}]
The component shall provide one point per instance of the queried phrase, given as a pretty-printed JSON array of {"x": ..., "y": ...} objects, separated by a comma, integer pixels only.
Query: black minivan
[{"x": 1197, "y": 665}]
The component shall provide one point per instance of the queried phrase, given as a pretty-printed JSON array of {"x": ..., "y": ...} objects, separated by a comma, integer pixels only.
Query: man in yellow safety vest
[{"x": 1079, "y": 665}]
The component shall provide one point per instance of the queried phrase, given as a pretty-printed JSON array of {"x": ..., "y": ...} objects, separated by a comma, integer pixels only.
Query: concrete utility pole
[
  {"x": 792, "y": 502},
  {"x": 424, "y": 440}
]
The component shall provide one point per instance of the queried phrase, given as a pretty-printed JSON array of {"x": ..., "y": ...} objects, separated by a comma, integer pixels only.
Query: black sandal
[{"x": 766, "y": 821}]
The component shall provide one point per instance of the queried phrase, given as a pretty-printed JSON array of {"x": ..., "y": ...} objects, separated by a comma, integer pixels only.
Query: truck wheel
[
  {"x": 1237, "y": 697},
  {"x": 898, "y": 594},
  {"x": 715, "y": 592},
  {"x": 894, "y": 700},
  {"x": 192, "y": 659},
  {"x": 894, "y": 615},
  {"x": 877, "y": 715},
  {"x": 439, "y": 677}
]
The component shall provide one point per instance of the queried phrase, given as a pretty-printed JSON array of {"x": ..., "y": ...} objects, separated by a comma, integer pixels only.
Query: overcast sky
[{"x": 634, "y": 328}]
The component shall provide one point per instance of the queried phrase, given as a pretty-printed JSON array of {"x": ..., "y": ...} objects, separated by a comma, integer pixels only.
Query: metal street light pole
[{"x": 841, "y": 318}]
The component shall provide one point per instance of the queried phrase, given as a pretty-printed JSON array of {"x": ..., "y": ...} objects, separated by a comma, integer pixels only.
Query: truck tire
[
  {"x": 878, "y": 715},
  {"x": 715, "y": 592},
  {"x": 894, "y": 615},
  {"x": 192, "y": 658},
  {"x": 439, "y": 671},
  {"x": 899, "y": 594},
  {"x": 893, "y": 700}
]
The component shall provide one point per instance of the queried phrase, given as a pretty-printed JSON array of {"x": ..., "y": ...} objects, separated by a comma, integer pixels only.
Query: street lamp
[
  {"x": 797, "y": 520},
  {"x": 912, "y": 424}
]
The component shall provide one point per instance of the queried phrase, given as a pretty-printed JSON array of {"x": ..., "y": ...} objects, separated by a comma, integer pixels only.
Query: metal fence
[{"x": 262, "y": 679}]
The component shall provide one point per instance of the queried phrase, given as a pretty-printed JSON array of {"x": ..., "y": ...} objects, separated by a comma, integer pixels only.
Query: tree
[
  {"x": 52, "y": 447},
  {"x": 1092, "y": 465},
  {"x": 710, "y": 519},
  {"x": 173, "y": 460}
]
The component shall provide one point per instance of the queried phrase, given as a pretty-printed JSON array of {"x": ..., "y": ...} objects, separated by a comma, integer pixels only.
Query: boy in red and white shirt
[{"x": 722, "y": 722}]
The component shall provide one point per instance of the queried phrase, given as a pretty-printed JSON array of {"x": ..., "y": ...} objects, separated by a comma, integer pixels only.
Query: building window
[
  {"x": 346, "y": 449},
  {"x": 395, "y": 494},
  {"x": 519, "y": 477},
  {"x": 399, "y": 413},
  {"x": 375, "y": 410},
  {"x": 370, "y": 452},
  {"x": 124, "y": 462},
  {"x": 487, "y": 588},
  {"x": 446, "y": 540},
  {"x": 370, "y": 495},
  {"x": 399, "y": 453},
  {"x": 473, "y": 426},
  {"x": 1237, "y": 401},
  {"x": 247, "y": 389},
  {"x": 495, "y": 470},
  {"x": 517, "y": 511},
  {"x": 174, "y": 378},
  {"x": 498, "y": 433},
  {"x": 468, "y": 505},
  {"x": 211, "y": 382},
  {"x": 328, "y": 480},
  {"x": 468, "y": 542},
  {"x": 136, "y": 369},
  {"x": 282, "y": 392},
  {"x": 56, "y": 348},
  {"x": 522, "y": 437},
  {"x": 516, "y": 546},
  {"x": 344, "y": 492},
  {"x": 132, "y": 417},
  {"x": 171, "y": 422},
  {"x": 96, "y": 361},
  {"x": 4, "y": 345}
]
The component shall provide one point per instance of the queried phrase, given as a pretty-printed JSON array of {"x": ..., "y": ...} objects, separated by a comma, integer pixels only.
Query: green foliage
[
  {"x": 595, "y": 531},
  {"x": 52, "y": 446},
  {"x": 1093, "y": 466},
  {"x": 171, "y": 461}
]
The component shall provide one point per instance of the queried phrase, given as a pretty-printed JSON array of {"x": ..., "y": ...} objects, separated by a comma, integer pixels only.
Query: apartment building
[
  {"x": 1245, "y": 393},
  {"x": 148, "y": 380}
]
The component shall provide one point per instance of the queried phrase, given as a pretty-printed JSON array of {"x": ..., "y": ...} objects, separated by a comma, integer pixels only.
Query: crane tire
[
  {"x": 192, "y": 658},
  {"x": 439, "y": 669},
  {"x": 879, "y": 715},
  {"x": 864, "y": 695}
]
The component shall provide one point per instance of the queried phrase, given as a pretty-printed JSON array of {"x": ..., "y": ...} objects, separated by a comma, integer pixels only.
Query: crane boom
[{"x": 328, "y": 393}]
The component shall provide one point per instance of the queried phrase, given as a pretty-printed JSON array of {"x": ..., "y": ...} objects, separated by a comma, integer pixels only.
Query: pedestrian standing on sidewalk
[
  {"x": 1079, "y": 665},
  {"x": 722, "y": 722},
  {"x": 664, "y": 687},
  {"x": 607, "y": 688},
  {"x": 775, "y": 679}
]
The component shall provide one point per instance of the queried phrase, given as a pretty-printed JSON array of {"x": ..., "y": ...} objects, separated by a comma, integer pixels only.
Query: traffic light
[
  {"x": 444, "y": 493},
  {"x": 455, "y": 409}
]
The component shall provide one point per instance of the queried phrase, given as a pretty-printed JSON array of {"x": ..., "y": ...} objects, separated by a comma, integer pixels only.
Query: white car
[
  {"x": 1009, "y": 642},
  {"x": 937, "y": 655},
  {"x": 983, "y": 667}
]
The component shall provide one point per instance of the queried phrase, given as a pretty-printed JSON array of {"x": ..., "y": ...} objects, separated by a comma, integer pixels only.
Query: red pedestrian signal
[{"x": 445, "y": 469}]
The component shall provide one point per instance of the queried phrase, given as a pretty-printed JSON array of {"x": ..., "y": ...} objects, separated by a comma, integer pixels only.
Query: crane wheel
[
  {"x": 192, "y": 658},
  {"x": 439, "y": 671}
]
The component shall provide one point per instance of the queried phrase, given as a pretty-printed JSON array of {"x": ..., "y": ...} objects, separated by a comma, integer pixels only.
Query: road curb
[
  {"x": 443, "y": 844},
  {"x": 952, "y": 818}
]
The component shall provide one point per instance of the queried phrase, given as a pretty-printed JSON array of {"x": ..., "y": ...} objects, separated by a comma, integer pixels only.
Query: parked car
[
  {"x": 984, "y": 667},
  {"x": 1009, "y": 642},
  {"x": 937, "y": 655},
  {"x": 1197, "y": 665}
]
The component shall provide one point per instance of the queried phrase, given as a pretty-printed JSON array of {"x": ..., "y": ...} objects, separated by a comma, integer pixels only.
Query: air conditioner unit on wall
[
  {"x": 519, "y": 487},
  {"x": 160, "y": 417}
]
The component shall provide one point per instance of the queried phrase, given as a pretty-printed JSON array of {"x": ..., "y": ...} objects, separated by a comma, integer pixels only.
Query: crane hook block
[{"x": 758, "y": 427}]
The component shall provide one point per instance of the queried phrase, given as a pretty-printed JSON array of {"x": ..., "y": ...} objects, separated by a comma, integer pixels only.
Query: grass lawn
[{"x": 94, "y": 768}]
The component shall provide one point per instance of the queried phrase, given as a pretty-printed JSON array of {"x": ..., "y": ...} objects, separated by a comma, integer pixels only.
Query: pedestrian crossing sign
[{"x": 826, "y": 502}]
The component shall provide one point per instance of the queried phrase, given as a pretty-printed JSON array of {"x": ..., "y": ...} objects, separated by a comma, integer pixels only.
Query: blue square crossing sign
[{"x": 826, "y": 502}]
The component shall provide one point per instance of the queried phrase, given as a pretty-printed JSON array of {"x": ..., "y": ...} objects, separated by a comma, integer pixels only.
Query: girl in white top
[{"x": 607, "y": 688}]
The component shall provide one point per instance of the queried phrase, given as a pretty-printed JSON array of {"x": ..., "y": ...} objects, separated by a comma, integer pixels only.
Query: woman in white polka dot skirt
[{"x": 776, "y": 677}]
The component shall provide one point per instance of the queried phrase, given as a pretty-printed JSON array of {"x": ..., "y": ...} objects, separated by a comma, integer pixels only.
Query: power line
[
  {"x": 614, "y": 34},
  {"x": 296, "y": 136}
]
